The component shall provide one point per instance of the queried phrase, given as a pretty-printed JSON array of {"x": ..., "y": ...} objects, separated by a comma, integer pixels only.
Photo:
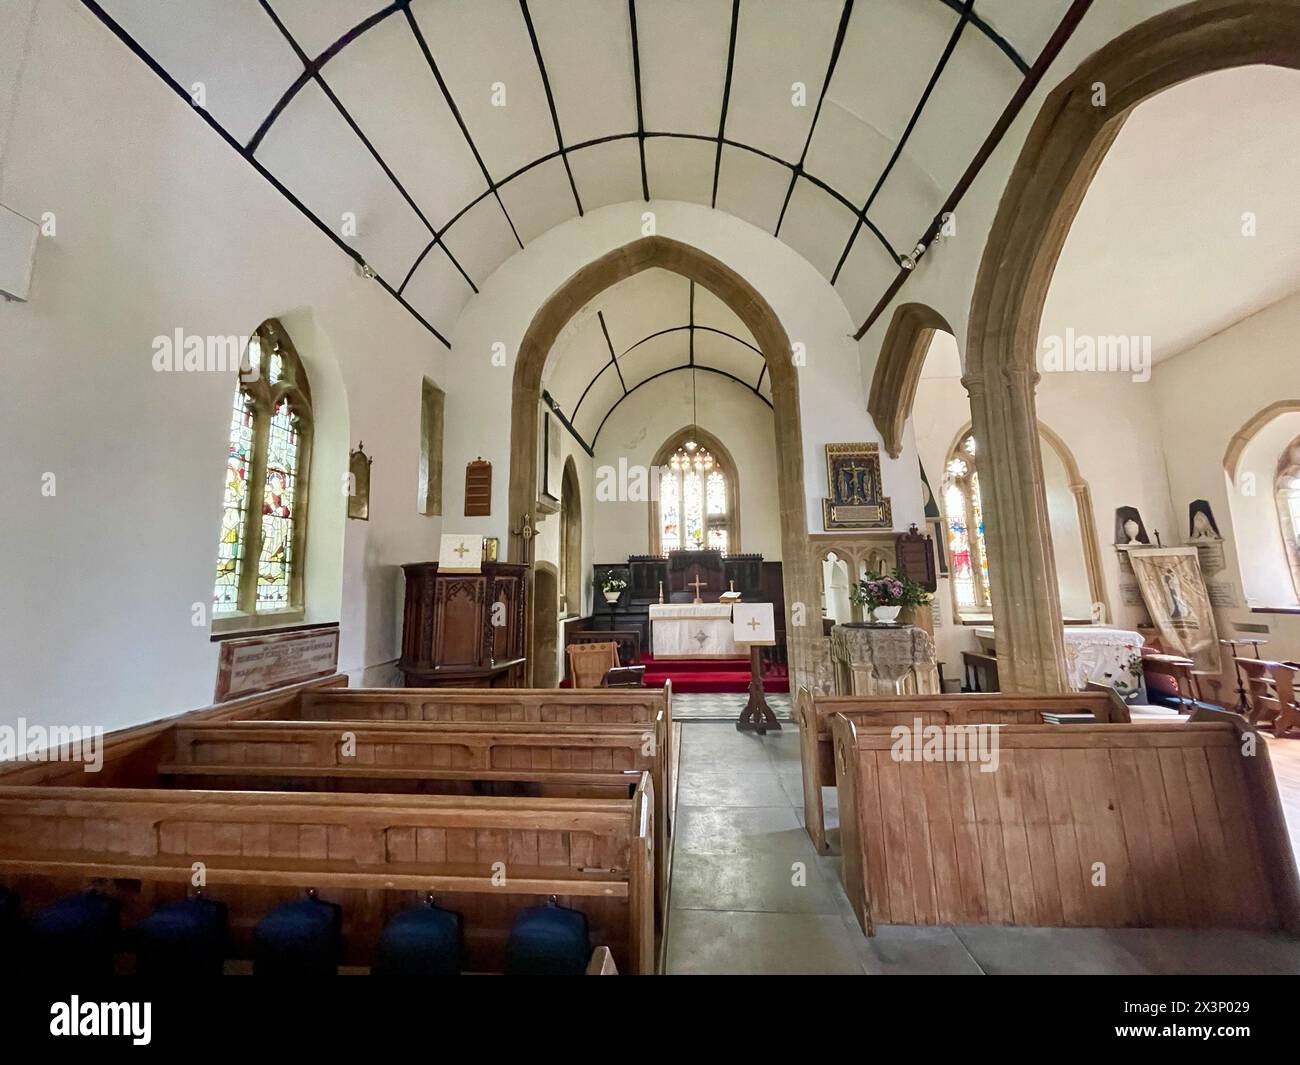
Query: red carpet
[{"x": 710, "y": 674}]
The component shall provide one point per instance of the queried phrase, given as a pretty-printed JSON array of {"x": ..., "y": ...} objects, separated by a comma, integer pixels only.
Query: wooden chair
[
  {"x": 1270, "y": 688},
  {"x": 589, "y": 662}
]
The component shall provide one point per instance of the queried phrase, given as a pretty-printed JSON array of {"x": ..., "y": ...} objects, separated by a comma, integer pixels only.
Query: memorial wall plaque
[{"x": 248, "y": 665}]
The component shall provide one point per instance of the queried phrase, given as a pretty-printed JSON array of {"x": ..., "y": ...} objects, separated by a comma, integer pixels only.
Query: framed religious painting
[
  {"x": 359, "y": 484},
  {"x": 856, "y": 500}
]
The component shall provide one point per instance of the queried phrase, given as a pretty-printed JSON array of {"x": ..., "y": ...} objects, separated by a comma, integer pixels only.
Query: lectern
[{"x": 754, "y": 624}]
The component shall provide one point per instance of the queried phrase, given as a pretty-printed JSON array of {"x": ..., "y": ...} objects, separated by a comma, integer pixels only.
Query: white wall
[
  {"x": 1205, "y": 396},
  {"x": 642, "y": 423},
  {"x": 160, "y": 226}
]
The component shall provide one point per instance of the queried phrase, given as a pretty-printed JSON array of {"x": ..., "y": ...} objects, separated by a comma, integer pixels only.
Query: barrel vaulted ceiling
[
  {"x": 647, "y": 326},
  {"x": 455, "y": 132}
]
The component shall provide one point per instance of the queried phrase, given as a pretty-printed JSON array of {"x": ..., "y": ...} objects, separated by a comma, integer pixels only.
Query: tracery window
[
  {"x": 696, "y": 501},
  {"x": 263, "y": 528},
  {"x": 964, "y": 514}
]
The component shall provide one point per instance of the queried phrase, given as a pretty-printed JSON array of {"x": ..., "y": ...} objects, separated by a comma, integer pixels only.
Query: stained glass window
[
  {"x": 670, "y": 528},
  {"x": 964, "y": 514},
  {"x": 233, "y": 542},
  {"x": 696, "y": 508},
  {"x": 269, "y": 449}
]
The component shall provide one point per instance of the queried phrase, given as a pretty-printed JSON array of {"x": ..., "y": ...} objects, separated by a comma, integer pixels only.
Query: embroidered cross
[{"x": 461, "y": 551}]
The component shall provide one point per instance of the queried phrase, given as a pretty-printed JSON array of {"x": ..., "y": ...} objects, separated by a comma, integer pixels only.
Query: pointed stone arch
[
  {"x": 801, "y": 590},
  {"x": 1056, "y": 165},
  {"x": 898, "y": 370}
]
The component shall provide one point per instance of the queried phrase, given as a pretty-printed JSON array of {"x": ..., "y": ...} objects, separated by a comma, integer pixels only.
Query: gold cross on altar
[{"x": 697, "y": 584}]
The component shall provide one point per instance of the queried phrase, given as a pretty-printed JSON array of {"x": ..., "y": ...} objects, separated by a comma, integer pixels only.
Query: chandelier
[{"x": 691, "y": 457}]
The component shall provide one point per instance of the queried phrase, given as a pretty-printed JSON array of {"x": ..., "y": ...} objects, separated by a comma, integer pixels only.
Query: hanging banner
[{"x": 1175, "y": 596}]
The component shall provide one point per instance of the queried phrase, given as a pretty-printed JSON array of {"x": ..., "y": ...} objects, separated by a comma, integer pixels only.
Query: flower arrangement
[
  {"x": 896, "y": 590},
  {"x": 612, "y": 583}
]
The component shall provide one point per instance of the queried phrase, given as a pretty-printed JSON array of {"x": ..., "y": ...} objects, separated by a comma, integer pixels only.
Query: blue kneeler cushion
[
  {"x": 548, "y": 940},
  {"x": 185, "y": 938},
  {"x": 303, "y": 938},
  {"x": 425, "y": 941},
  {"x": 78, "y": 935}
]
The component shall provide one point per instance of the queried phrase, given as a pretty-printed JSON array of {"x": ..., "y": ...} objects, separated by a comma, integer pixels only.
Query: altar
[{"x": 692, "y": 630}]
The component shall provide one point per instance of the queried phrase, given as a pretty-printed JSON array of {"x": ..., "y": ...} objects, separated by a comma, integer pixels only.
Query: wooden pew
[
  {"x": 814, "y": 713},
  {"x": 375, "y": 855},
  {"x": 1189, "y": 830},
  {"x": 425, "y": 757},
  {"x": 131, "y": 752}
]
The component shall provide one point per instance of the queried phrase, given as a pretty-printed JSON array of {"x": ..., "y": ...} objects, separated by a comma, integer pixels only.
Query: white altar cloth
[
  {"x": 1097, "y": 653},
  {"x": 692, "y": 630}
]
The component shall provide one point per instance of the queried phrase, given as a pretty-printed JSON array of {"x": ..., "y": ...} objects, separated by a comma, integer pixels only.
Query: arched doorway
[
  {"x": 1058, "y": 161},
  {"x": 545, "y": 625},
  {"x": 801, "y": 588},
  {"x": 571, "y": 577}
]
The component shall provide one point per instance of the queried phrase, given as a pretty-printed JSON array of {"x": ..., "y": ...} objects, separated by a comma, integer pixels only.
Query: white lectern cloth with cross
[
  {"x": 754, "y": 623},
  {"x": 692, "y": 630}
]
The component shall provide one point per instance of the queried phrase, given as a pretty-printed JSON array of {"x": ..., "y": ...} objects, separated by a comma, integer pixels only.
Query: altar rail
[
  {"x": 1184, "y": 828},
  {"x": 814, "y": 714},
  {"x": 375, "y": 855}
]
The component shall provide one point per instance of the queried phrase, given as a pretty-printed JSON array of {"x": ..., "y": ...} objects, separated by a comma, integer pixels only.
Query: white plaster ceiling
[
  {"x": 386, "y": 112},
  {"x": 651, "y": 324},
  {"x": 1157, "y": 248}
]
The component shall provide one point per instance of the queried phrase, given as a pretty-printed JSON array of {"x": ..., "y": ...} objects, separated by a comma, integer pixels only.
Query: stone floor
[
  {"x": 750, "y": 895},
  {"x": 698, "y": 706}
]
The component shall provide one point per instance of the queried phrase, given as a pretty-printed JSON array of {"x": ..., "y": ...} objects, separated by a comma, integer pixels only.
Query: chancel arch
[
  {"x": 1060, "y": 157},
  {"x": 800, "y": 584},
  {"x": 701, "y": 499}
]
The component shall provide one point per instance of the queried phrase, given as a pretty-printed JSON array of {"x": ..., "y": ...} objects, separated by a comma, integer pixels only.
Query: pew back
[
  {"x": 375, "y": 855},
  {"x": 1186, "y": 830},
  {"x": 814, "y": 714},
  {"x": 555, "y": 760}
]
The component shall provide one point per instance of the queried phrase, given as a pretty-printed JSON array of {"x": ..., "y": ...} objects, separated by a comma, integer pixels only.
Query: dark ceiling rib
[
  {"x": 314, "y": 65},
  {"x": 699, "y": 328},
  {"x": 361, "y": 136},
  {"x": 550, "y": 100},
  {"x": 840, "y": 31},
  {"x": 978, "y": 22},
  {"x": 460, "y": 121},
  {"x": 726, "y": 98},
  {"x": 761, "y": 374},
  {"x": 678, "y": 369},
  {"x": 1064, "y": 30},
  {"x": 555, "y": 409},
  {"x": 907, "y": 131},
  {"x": 613, "y": 358},
  {"x": 690, "y": 321},
  {"x": 249, "y": 158},
  {"x": 640, "y": 113}
]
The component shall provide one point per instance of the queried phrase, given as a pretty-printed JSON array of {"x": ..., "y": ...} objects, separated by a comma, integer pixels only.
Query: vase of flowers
[
  {"x": 886, "y": 596},
  {"x": 612, "y": 586}
]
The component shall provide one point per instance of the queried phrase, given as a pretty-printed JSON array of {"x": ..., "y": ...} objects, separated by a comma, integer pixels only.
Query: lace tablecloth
[{"x": 1098, "y": 653}]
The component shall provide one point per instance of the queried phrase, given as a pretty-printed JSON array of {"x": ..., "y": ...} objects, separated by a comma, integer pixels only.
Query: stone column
[{"x": 1022, "y": 566}]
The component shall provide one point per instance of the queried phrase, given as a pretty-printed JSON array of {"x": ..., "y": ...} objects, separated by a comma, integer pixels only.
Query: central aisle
[{"x": 750, "y": 895}]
